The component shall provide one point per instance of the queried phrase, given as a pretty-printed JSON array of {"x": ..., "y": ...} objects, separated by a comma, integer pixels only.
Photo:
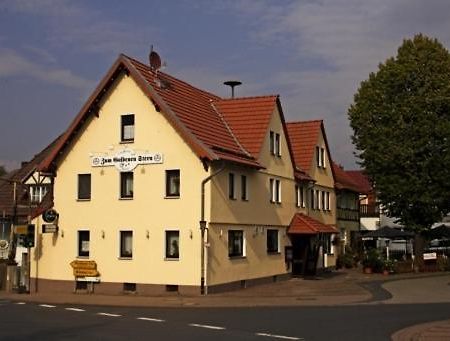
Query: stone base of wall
[
  {"x": 109, "y": 288},
  {"x": 246, "y": 283}
]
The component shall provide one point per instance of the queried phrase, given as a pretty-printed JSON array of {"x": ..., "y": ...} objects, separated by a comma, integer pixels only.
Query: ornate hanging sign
[{"x": 126, "y": 160}]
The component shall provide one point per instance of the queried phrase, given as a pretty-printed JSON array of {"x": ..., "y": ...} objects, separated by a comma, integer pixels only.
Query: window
[
  {"x": 312, "y": 199},
  {"x": 302, "y": 196},
  {"x": 126, "y": 185},
  {"x": 83, "y": 243},
  {"x": 277, "y": 145},
  {"x": 236, "y": 243},
  {"x": 317, "y": 200},
  {"x": 231, "y": 193},
  {"x": 324, "y": 207},
  {"x": 172, "y": 244},
  {"x": 320, "y": 157},
  {"x": 328, "y": 201},
  {"x": 37, "y": 193},
  {"x": 173, "y": 183},
  {"x": 272, "y": 143},
  {"x": 126, "y": 244},
  {"x": 244, "y": 187},
  {"x": 297, "y": 196},
  {"x": 327, "y": 245},
  {"x": 275, "y": 190},
  {"x": 84, "y": 186},
  {"x": 272, "y": 241},
  {"x": 127, "y": 128}
]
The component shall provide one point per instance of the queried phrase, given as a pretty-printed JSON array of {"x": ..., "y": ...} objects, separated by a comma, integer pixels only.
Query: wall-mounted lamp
[
  {"x": 190, "y": 234},
  {"x": 221, "y": 233},
  {"x": 147, "y": 234},
  {"x": 103, "y": 234},
  {"x": 62, "y": 233}
]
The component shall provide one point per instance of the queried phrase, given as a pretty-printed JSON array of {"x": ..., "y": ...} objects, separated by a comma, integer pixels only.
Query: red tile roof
[
  {"x": 248, "y": 118},
  {"x": 360, "y": 178},
  {"x": 189, "y": 110},
  {"x": 303, "y": 224},
  {"x": 343, "y": 180},
  {"x": 304, "y": 137}
]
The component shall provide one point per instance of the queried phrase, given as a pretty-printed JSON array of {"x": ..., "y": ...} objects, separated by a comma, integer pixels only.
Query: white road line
[
  {"x": 47, "y": 305},
  {"x": 20, "y": 303},
  {"x": 75, "y": 309},
  {"x": 206, "y": 326},
  {"x": 108, "y": 314},
  {"x": 150, "y": 319},
  {"x": 279, "y": 336}
]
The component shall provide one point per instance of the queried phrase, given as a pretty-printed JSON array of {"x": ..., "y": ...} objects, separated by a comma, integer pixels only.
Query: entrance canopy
[
  {"x": 439, "y": 232},
  {"x": 388, "y": 232},
  {"x": 302, "y": 224}
]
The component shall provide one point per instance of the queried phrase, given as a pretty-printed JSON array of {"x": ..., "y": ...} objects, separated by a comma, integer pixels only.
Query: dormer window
[
  {"x": 127, "y": 128},
  {"x": 320, "y": 157}
]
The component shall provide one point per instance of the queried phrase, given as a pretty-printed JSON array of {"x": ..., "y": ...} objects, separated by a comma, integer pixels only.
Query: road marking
[
  {"x": 206, "y": 326},
  {"x": 150, "y": 319},
  {"x": 20, "y": 303},
  {"x": 279, "y": 336},
  {"x": 108, "y": 314},
  {"x": 47, "y": 305},
  {"x": 75, "y": 309}
]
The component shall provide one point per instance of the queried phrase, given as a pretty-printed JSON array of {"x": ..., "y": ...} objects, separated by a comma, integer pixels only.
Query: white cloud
[
  {"x": 12, "y": 64},
  {"x": 74, "y": 26},
  {"x": 348, "y": 38}
]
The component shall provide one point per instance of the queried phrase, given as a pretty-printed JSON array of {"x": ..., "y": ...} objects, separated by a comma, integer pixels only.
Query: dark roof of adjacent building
[
  {"x": 19, "y": 176},
  {"x": 362, "y": 180},
  {"x": 343, "y": 180}
]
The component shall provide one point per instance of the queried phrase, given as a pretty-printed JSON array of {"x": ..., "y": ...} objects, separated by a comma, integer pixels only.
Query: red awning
[{"x": 302, "y": 224}]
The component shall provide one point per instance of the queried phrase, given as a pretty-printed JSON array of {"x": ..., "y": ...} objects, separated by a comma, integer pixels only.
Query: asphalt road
[{"x": 32, "y": 321}]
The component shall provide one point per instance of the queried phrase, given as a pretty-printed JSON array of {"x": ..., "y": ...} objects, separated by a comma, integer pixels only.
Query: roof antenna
[{"x": 232, "y": 84}]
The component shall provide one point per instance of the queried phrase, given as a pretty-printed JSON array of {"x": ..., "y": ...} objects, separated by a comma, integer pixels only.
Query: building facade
[{"x": 160, "y": 186}]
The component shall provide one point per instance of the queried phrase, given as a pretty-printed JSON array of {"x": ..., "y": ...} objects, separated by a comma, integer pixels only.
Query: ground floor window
[
  {"x": 236, "y": 243},
  {"x": 327, "y": 245},
  {"x": 172, "y": 244},
  {"x": 272, "y": 241},
  {"x": 126, "y": 244},
  {"x": 83, "y": 243}
]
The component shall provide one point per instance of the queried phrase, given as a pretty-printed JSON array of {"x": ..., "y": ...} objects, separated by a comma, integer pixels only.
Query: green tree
[
  {"x": 401, "y": 123},
  {"x": 2, "y": 171}
]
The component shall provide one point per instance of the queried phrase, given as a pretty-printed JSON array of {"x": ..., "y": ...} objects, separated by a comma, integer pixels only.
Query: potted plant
[{"x": 372, "y": 261}]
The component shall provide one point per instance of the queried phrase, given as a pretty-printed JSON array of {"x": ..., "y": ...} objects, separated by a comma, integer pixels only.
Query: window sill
[
  {"x": 126, "y": 198},
  {"x": 171, "y": 259},
  {"x": 273, "y": 253},
  {"x": 245, "y": 200},
  {"x": 125, "y": 258},
  {"x": 236, "y": 257},
  {"x": 126, "y": 141},
  {"x": 172, "y": 197},
  {"x": 82, "y": 257},
  {"x": 82, "y": 200}
]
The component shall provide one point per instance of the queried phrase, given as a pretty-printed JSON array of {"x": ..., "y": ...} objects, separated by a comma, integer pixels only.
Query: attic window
[
  {"x": 320, "y": 157},
  {"x": 274, "y": 141},
  {"x": 127, "y": 128}
]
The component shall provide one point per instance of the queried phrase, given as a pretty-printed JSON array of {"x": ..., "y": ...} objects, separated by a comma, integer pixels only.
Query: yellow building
[{"x": 160, "y": 186}]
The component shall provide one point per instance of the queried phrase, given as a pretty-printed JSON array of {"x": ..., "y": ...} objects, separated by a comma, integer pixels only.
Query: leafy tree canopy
[
  {"x": 401, "y": 123},
  {"x": 2, "y": 171}
]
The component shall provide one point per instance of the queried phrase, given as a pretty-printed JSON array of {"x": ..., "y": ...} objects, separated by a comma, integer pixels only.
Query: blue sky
[{"x": 312, "y": 53}]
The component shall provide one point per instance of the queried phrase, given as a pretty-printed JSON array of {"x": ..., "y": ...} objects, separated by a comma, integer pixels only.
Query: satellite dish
[{"x": 155, "y": 60}]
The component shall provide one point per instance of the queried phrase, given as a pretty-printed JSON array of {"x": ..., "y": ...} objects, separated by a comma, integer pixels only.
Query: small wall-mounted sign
[
  {"x": 50, "y": 216},
  {"x": 126, "y": 160},
  {"x": 49, "y": 228}
]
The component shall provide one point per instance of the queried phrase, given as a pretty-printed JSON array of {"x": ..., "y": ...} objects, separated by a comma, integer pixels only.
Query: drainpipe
[{"x": 203, "y": 228}]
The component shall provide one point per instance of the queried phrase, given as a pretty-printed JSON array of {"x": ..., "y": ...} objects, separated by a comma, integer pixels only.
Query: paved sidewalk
[{"x": 433, "y": 331}]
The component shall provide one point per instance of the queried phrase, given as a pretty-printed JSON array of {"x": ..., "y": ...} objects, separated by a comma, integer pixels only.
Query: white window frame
[
  {"x": 121, "y": 256},
  {"x": 79, "y": 246},
  {"x": 275, "y": 190},
  {"x": 277, "y": 150},
  {"x": 278, "y": 241},
  {"x": 37, "y": 193},
  {"x": 244, "y": 253},
  {"x": 166, "y": 255}
]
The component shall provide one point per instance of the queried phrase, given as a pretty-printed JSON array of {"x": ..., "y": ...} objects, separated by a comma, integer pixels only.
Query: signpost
[{"x": 84, "y": 268}]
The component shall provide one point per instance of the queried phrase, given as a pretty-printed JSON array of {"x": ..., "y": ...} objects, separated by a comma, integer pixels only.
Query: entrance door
[{"x": 300, "y": 246}]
